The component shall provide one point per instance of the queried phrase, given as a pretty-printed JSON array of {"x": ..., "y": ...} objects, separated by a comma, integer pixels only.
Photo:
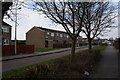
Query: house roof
[
  {"x": 51, "y": 30},
  {"x": 45, "y": 29},
  {"x": 4, "y": 23}
]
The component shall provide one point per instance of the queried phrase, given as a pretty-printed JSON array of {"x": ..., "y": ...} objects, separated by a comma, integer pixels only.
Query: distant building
[
  {"x": 47, "y": 38},
  {"x": 6, "y": 33},
  {"x": 106, "y": 42},
  {"x": 97, "y": 41},
  {"x": 84, "y": 41}
]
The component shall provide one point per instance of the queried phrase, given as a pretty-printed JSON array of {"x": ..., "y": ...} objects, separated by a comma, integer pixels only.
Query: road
[{"x": 19, "y": 63}]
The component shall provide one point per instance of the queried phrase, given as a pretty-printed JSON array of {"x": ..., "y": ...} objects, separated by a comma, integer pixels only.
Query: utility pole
[
  {"x": 119, "y": 26},
  {"x": 16, "y": 24},
  {"x": 16, "y": 2}
]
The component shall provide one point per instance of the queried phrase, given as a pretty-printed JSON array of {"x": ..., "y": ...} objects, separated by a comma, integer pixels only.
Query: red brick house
[
  {"x": 47, "y": 38},
  {"x": 6, "y": 33}
]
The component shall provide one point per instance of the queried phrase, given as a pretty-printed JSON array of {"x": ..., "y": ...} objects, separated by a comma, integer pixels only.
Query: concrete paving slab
[{"x": 108, "y": 66}]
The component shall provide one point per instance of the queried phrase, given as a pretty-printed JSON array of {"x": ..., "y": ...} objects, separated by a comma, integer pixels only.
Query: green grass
[
  {"x": 20, "y": 72},
  {"x": 45, "y": 49},
  {"x": 101, "y": 48}
]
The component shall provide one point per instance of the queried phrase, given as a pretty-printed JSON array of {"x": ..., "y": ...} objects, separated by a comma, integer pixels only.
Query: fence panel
[{"x": 10, "y": 49}]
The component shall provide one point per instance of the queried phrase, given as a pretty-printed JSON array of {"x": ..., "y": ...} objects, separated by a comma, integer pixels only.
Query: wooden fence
[{"x": 10, "y": 49}]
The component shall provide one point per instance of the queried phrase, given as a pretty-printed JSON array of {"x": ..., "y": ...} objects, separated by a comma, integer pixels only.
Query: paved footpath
[
  {"x": 7, "y": 58},
  {"x": 22, "y": 62},
  {"x": 108, "y": 66}
]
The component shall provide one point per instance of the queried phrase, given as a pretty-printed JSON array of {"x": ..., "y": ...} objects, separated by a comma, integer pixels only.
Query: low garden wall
[{"x": 10, "y": 49}]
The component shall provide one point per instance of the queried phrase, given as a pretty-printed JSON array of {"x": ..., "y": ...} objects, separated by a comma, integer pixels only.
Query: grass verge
[
  {"x": 58, "y": 67},
  {"x": 101, "y": 48},
  {"x": 45, "y": 49},
  {"x": 36, "y": 50}
]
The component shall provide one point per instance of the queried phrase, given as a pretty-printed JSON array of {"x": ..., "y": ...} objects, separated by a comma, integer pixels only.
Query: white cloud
[
  {"x": 31, "y": 18},
  {"x": 27, "y": 19},
  {"x": 112, "y": 34}
]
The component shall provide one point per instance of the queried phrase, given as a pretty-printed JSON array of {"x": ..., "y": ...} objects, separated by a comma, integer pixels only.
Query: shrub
[{"x": 62, "y": 68}]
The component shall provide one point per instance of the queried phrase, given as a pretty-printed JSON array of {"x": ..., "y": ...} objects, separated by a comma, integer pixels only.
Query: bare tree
[
  {"x": 99, "y": 17},
  {"x": 11, "y": 13},
  {"x": 69, "y": 14},
  {"x": 5, "y": 7}
]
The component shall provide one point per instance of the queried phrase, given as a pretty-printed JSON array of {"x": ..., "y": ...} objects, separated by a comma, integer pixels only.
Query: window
[
  {"x": 57, "y": 34},
  {"x": 67, "y": 36},
  {"x": 48, "y": 33},
  {"x": 52, "y": 34},
  {"x": 61, "y": 35},
  {"x": 6, "y": 41},
  {"x": 64, "y": 35},
  {"x": 5, "y": 29},
  {"x": 77, "y": 41}
]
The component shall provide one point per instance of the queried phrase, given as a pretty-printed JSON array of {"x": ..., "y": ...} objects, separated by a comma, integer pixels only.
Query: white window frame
[
  {"x": 57, "y": 34},
  {"x": 52, "y": 34},
  {"x": 5, "y": 29},
  {"x": 61, "y": 35},
  {"x": 6, "y": 42},
  {"x": 48, "y": 33},
  {"x": 67, "y": 36}
]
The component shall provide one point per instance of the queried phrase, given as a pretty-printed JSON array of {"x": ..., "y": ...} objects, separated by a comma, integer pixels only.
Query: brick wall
[
  {"x": 42, "y": 37},
  {"x": 36, "y": 37}
]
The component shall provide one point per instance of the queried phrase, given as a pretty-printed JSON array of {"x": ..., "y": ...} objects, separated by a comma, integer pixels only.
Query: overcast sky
[{"x": 28, "y": 18}]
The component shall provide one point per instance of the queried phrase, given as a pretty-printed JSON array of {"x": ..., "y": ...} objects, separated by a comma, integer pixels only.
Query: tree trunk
[
  {"x": 90, "y": 45},
  {"x": 73, "y": 50}
]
